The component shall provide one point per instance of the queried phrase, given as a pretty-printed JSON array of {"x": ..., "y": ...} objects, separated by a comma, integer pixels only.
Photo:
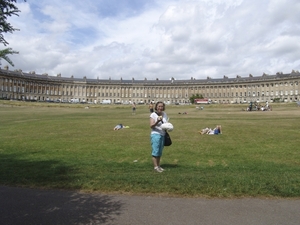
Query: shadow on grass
[
  {"x": 17, "y": 170},
  {"x": 33, "y": 206},
  {"x": 36, "y": 206},
  {"x": 169, "y": 166}
]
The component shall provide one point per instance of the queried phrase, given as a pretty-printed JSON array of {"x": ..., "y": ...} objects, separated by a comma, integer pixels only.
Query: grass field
[{"x": 65, "y": 146}]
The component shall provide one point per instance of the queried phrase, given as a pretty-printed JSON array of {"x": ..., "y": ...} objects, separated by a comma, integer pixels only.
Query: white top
[
  {"x": 157, "y": 129},
  {"x": 211, "y": 132}
]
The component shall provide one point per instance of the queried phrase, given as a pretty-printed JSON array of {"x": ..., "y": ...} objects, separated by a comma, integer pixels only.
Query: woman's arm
[{"x": 153, "y": 123}]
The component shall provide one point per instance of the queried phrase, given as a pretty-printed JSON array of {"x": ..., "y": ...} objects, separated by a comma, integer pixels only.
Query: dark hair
[{"x": 160, "y": 103}]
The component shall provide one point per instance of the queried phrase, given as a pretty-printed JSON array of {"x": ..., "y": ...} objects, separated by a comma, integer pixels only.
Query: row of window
[
  {"x": 291, "y": 83},
  {"x": 252, "y": 94},
  {"x": 168, "y": 95},
  {"x": 33, "y": 88}
]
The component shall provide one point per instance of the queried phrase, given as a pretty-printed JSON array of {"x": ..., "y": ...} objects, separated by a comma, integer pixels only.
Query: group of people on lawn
[{"x": 258, "y": 107}]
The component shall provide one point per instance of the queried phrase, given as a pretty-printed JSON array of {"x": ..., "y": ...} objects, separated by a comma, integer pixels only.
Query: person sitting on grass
[
  {"x": 120, "y": 126},
  {"x": 215, "y": 131}
]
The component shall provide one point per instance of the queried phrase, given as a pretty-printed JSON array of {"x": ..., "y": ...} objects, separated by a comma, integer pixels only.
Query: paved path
[{"x": 52, "y": 207}]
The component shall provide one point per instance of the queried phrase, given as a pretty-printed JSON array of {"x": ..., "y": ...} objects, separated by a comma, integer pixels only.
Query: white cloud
[{"x": 157, "y": 39}]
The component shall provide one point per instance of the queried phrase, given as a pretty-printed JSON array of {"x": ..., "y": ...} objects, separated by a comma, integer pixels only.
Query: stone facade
[{"x": 42, "y": 87}]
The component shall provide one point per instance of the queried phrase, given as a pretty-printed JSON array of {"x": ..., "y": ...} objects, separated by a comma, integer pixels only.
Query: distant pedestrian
[
  {"x": 250, "y": 107},
  {"x": 151, "y": 106},
  {"x": 133, "y": 108}
]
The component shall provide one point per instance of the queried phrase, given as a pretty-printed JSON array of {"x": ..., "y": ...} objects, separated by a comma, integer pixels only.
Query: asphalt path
[{"x": 56, "y": 207}]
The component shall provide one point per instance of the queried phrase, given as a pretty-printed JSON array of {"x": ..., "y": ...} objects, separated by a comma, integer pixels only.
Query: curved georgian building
[{"x": 42, "y": 87}]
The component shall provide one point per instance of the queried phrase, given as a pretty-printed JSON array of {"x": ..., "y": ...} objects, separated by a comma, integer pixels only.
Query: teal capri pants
[{"x": 157, "y": 144}]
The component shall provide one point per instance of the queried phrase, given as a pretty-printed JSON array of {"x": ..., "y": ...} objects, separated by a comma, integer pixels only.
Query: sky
[{"x": 156, "y": 39}]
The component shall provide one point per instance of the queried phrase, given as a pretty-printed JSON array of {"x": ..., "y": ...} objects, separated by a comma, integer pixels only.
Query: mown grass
[{"x": 67, "y": 147}]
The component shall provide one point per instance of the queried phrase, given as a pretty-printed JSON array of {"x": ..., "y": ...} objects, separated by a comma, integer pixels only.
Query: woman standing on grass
[{"x": 157, "y": 118}]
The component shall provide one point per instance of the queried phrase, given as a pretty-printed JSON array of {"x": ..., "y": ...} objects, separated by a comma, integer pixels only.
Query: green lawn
[{"x": 65, "y": 146}]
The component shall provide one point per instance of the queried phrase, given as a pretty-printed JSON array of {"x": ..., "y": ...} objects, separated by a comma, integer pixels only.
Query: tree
[
  {"x": 192, "y": 99},
  {"x": 7, "y": 9},
  {"x": 5, "y": 52}
]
